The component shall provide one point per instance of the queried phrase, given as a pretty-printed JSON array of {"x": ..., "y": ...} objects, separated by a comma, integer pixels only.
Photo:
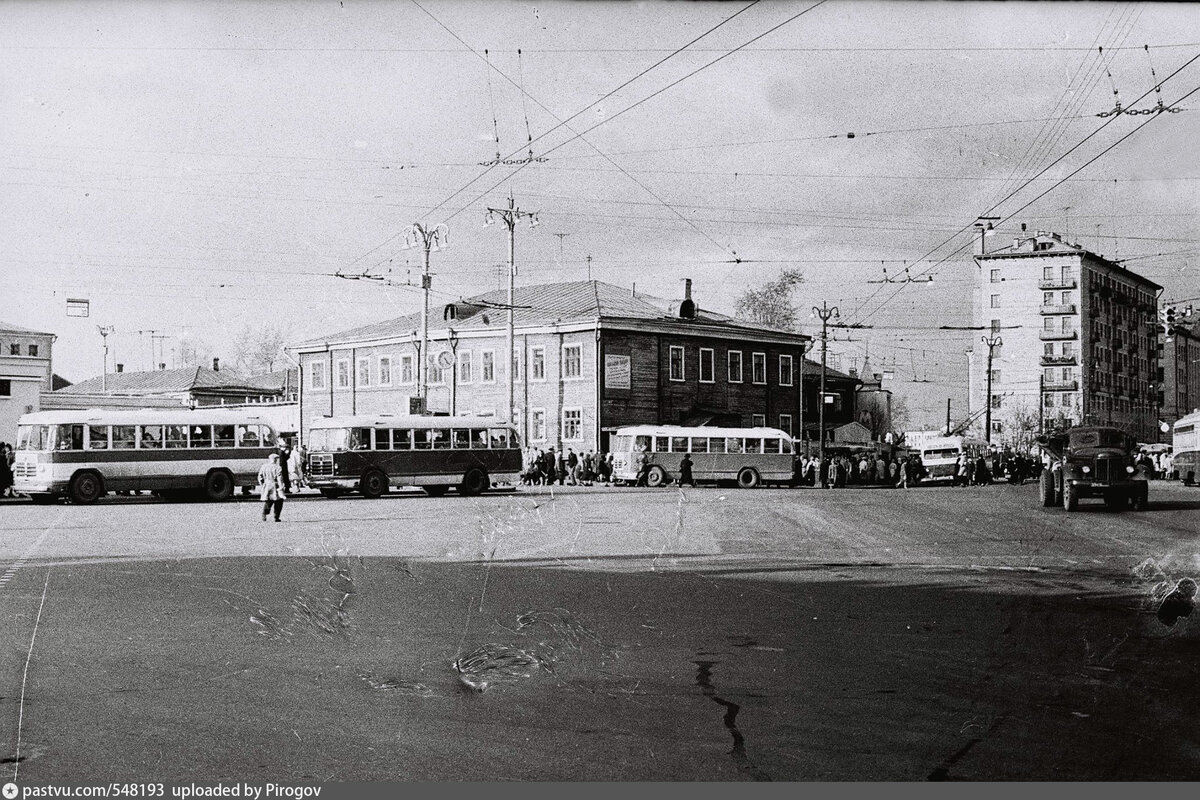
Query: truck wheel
[
  {"x": 1047, "y": 487},
  {"x": 373, "y": 484},
  {"x": 86, "y": 488},
  {"x": 474, "y": 482},
  {"x": 218, "y": 485},
  {"x": 1141, "y": 498},
  {"x": 747, "y": 478},
  {"x": 1070, "y": 497},
  {"x": 657, "y": 476}
]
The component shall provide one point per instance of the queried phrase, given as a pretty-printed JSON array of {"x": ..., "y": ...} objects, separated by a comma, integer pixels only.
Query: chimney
[
  {"x": 216, "y": 365},
  {"x": 161, "y": 366},
  {"x": 120, "y": 367},
  {"x": 687, "y": 288},
  {"x": 687, "y": 308}
]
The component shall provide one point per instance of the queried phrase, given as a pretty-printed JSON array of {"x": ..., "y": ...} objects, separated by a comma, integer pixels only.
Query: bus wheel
[
  {"x": 373, "y": 484},
  {"x": 435, "y": 491},
  {"x": 218, "y": 485},
  {"x": 657, "y": 476},
  {"x": 332, "y": 494},
  {"x": 86, "y": 487},
  {"x": 747, "y": 478},
  {"x": 1047, "y": 487},
  {"x": 474, "y": 482}
]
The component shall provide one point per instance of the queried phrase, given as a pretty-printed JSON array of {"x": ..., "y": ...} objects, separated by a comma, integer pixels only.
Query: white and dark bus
[
  {"x": 82, "y": 455},
  {"x": 940, "y": 455},
  {"x": 371, "y": 454},
  {"x": 1185, "y": 462},
  {"x": 750, "y": 456}
]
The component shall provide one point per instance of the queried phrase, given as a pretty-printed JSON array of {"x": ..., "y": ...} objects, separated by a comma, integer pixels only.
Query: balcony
[
  {"x": 1057, "y": 283},
  {"x": 1061, "y": 308},
  {"x": 1059, "y": 361},
  {"x": 1057, "y": 336},
  {"x": 1060, "y": 386}
]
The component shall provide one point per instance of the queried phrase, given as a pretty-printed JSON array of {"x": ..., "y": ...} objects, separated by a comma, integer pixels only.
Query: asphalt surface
[{"x": 602, "y": 634}]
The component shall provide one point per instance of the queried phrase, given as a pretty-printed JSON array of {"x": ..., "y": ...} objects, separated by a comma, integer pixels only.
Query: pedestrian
[
  {"x": 572, "y": 467},
  {"x": 6, "y": 473},
  {"x": 296, "y": 466},
  {"x": 285, "y": 454},
  {"x": 560, "y": 466},
  {"x": 685, "y": 471},
  {"x": 271, "y": 487},
  {"x": 643, "y": 468}
]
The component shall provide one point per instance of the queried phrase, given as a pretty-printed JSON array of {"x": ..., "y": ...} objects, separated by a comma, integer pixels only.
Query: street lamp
[
  {"x": 428, "y": 239},
  {"x": 992, "y": 344},
  {"x": 509, "y": 216},
  {"x": 105, "y": 330},
  {"x": 824, "y": 313}
]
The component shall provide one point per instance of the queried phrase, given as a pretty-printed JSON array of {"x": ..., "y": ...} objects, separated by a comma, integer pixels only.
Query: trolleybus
[
  {"x": 750, "y": 456},
  {"x": 940, "y": 455}
]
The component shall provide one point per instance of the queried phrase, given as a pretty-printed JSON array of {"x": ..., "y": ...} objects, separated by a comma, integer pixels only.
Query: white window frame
[
  {"x": 407, "y": 366},
  {"x": 343, "y": 373},
  {"x": 995, "y": 276},
  {"x": 537, "y": 364},
  {"x": 786, "y": 428},
  {"x": 563, "y": 355},
  {"x": 534, "y": 414},
  {"x": 672, "y": 350},
  {"x": 995, "y": 301},
  {"x": 707, "y": 352},
  {"x": 465, "y": 359},
  {"x": 316, "y": 378},
  {"x": 484, "y": 355},
  {"x": 753, "y": 361},
  {"x": 758, "y": 420},
  {"x": 786, "y": 379},
  {"x": 741, "y": 371},
  {"x": 358, "y": 371},
  {"x": 563, "y": 423},
  {"x": 382, "y": 372}
]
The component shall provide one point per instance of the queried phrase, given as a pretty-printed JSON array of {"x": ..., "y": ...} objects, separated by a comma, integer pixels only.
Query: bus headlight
[{"x": 1086, "y": 469}]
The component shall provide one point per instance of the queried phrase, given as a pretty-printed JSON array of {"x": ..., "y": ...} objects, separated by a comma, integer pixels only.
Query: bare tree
[
  {"x": 1022, "y": 425},
  {"x": 771, "y": 304},
  {"x": 194, "y": 352},
  {"x": 258, "y": 350}
]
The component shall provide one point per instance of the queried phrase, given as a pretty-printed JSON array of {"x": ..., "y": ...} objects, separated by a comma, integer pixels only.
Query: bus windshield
[
  {"x": 334, "y": 440},
  {"x": 33, "y": 437}
]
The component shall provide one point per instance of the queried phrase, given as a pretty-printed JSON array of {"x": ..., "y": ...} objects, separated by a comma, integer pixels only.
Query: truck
[{"x": 1092, "y": 461}]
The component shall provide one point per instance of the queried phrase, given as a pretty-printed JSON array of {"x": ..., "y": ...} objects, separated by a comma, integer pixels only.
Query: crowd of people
[{"x": 586, "y": 468}]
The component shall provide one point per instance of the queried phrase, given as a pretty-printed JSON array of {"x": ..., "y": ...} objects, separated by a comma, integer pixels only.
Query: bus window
[
  {"x": 401, "y": 439},
  {"x": 679, "y": 444},
  {"x": 124, "y": 437},
  {"x": 770, "y": 445},
  {"x": 754, "y": 445},
  {"x": 383, "y": 439},
  {"x": 461, "y": 439},
  {"x": 68, "y": 437},
  {"x": 440, "y": 439},
  {"x": 716, "y": 445},
  {"x": 479, "y": 439},
  {"x": 360, "y": 439},
  {"x": 223, "y": 435},
  {"x": 247, "y": 436},
  {"x": 499, "y": 437},
  {"x": 786, "y": 446},
  {"x": 699, "y": 444},
  {"x": 422, "y": 439},
  {"x": 97, "y": 437},
  {"x": 152, "y": 437},
  {"x": 621, "y": 444},
  {"x": 201, "y": 436},
  {"x": 641, "y": 443},
  {"x": 176, "y": 436},
  {"x": 733, "y": 446}
]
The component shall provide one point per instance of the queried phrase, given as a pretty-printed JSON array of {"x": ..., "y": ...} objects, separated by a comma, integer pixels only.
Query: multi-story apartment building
[
  {"x": 25, "y": 372},
  {"x": 589, "y": 357},
  {"x": 1179, "y": 372},
  {"x": 1079, "y": 340}
]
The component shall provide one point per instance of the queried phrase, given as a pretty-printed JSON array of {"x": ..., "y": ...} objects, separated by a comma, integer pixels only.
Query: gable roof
[
  {"x": 6, "y": 327},
  {"x": 543, "y": 304},
  {"x": 166, "y": 381}
]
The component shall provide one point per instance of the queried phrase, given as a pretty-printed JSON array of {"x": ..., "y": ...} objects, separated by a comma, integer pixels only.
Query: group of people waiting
[
  {"x": 867, "y": 469},
  {"x": 544, "y": 467}
]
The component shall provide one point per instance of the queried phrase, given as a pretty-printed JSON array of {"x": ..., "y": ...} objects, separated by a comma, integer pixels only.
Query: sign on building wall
[
  {"x": 618, "y": 372},
  {"x": 77, "y": 307}
]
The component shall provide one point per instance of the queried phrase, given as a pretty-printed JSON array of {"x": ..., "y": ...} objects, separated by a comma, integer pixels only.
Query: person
[
  {"x": 548, "y": 467},
  {"x": 296, "y": 466},
  {"x": 685, "y": 471},
  {"x": 560, "y": 465},
  {"x": 643, "y": 467},
  {"x": 6, "y": 473},
  {"x": 271, "y": 487},
  {"x": 572, "y": 467},
  {"x": 285, "y": 454}
]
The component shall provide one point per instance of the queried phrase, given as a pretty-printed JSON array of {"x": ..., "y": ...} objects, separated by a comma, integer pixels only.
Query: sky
[{"x": 195, "y": 168}]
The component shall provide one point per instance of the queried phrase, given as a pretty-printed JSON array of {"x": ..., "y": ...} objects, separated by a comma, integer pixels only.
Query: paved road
[{"x": 614, "y": 634}]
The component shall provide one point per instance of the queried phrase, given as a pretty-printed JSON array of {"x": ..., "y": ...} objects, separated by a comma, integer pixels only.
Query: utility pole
[
  {"x": 510, "y": 216},
  {"x": 947, "y": 416},
  {"x": 428, "y": 239},
  {"x": 824, "y": 313},
  {"x": 105, "y": 330},
  {"x": 992, "y": 344},
  {"x": 1041, "y": 403}
]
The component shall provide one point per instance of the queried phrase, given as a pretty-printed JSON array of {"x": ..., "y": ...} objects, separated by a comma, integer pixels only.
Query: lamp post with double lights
[
  {"x": 824, "y": 313},
  {"x": 429, "y": 239}
]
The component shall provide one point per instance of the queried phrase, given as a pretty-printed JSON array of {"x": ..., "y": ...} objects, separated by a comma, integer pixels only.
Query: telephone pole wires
[
  {"x": 992, "y": 344},
  {"x": 510, "y": 216},
  {"x": 824, "y": 313}
]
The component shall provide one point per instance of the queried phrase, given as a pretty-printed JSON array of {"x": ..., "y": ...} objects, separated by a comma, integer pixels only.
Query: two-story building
[
  {"x": 25, "y": 372},
  {"x": 588, "y": 358}
]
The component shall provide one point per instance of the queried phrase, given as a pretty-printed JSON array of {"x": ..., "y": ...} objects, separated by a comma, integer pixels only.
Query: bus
[
  {"x": 750, "y": 456},
  {"x": 1186, "y": 444},
  {"x": 940, "y": 455},
  {"x": 371, "y": 454},
  {"x": 82, "y": 455}
]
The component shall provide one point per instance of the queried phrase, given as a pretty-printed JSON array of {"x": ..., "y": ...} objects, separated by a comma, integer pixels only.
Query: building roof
[
  {"x": 543, "y": 304},
  {"x": 166, "y": 381},
  {"x": 6, "y": 327},
  {"x": 1045, "y": 243}
]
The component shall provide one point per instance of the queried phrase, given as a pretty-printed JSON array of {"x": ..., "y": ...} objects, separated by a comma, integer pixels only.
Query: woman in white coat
[{"x": 270, "y": 483}]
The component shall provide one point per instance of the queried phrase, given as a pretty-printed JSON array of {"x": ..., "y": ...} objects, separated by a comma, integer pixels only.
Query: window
[
  {"x": 14, "y": 349},
  {"x": 223, "y": 435},
  {"x": 385, "y": 370},
  {"x": 995, "y": 401},
  {"x": 995, "y": 301},
  {"x": 1068, "y": 349},
  {"x": 1047, "y": 298},
  {"x": 33, "y": 349},
  {"x": 401, "y": 439},
  {"x": 734, "y": 446},
  {"x": 572, "y": 361},
  {"x": 679, "y": 444},
  {"x": 97, "y": 437},
  {"x": 1048, "y": 324},
  {"x": 464, "y": 366},
  {"x": 995, "y": 375},
  {"x": 516, "y": 367},
  {"x": 995, "y": 327},
  {"x": 487, "y": 369},
  {"x": 1048, "y": 401},
  {"x": 460, "y": 439},
  {"x": 1068, "y": 325},
  {"x": 1068, "y": 374},
  {"x": 997, "y": 427},
  {"x": 343, "y": 374},
  {"x": 753, "y": 445},
  {"x": 699, "y": 444},
  {"x": 572, "y": 424},
  {"x": 152, "y": 437},
  {"x": 201, "y": 436},
  {"x": 785, "y": 370},
  {"x": 248, "y": 436},
  {"x": 406, "y": 369},
  {"x": 68, "y": 437},
  {"x": 499, "y": 438},
  {"x": 364, "y": 372},
  {"x": 537, "y": 424},
  {"x": 1047, "y": 273},
  {"x": 735, "y": 366},
  {"x": 537, "y": 364},
  {"x": 995, "y": 276},
  {"x": 758, "y": 367},
  {"x": 1067, "y": 299},
  {"x": 785, "y": 423},
  {"x": 675, "y": 364},
  {"x": 1048, "y": 349},
  {"x": 1067, "y": 274},
  {"x": 5, "y": 387},
  {"x": 758, "y": 420},
  {"x": 124, "y": 437},
  {"x": 706, "y": 365},
  {"x": 316, "y": 375},
  {"x": 176, "y": 436}
]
